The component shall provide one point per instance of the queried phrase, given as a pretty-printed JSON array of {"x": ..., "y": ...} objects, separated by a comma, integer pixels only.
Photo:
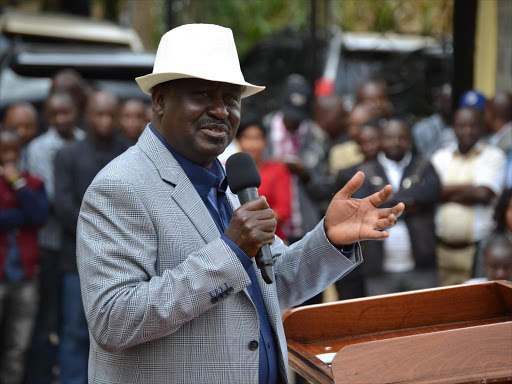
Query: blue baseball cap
[{"x": 473, "y": 99}]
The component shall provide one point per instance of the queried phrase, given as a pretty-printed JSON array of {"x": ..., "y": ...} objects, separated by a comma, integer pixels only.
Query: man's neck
[
  {"x": 101, "y": 141},
  {"x": 67, "y": 134}
]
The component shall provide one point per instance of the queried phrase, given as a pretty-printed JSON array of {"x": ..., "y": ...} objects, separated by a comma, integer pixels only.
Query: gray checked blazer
[{"x": 165, "y": 298}]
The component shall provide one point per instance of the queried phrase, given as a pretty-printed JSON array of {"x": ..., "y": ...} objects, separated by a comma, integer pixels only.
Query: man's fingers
[
  {"x": 397, "y": 210},
  {"x": 257, "y": 204},
  {"x": 380, "y": 197},
  {"x": 268, "y": 225},
  {"x": 351, "y": 187},
  {"x": 378, "y": 235},
  {"x": 386, "y": 223}
]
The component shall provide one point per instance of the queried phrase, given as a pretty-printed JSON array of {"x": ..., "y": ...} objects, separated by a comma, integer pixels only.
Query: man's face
[
  {"x": 101, "y": 115},
  {"x": 374, "y": 95},
  {"x": 359, "y": 115},
  {"x": 369, "y": 141},
  {"x": 23, "y": 121},
  {"x": 252, "y": 140},
  {"x": 198, "y": 118},
  {"x": 396, "y": 140},
  {"x": 61, "y": 113},
  {"x": 498, "y": 262},
  {"x": 291, "y": 124},
  {"x": 132, "y": 119},
  {"x": 9, "y": 151},
  {"x": 331, "y": 116},
  {"x": 467, "y": 127}
]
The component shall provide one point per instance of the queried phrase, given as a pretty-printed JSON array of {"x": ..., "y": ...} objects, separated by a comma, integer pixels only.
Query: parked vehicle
[
  {"x": 35, "y": 46},
  {"x": 413, "y": 66}
]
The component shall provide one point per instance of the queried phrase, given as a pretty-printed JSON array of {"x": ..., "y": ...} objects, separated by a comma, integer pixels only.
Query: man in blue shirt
[{"x": 166, "y": 253}]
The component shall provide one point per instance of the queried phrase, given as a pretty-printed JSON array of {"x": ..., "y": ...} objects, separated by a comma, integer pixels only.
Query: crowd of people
[
  {"x": 450, "y": 169},
  {"x": 47, "y": 162},
  {"x": 453, "y": 171}
]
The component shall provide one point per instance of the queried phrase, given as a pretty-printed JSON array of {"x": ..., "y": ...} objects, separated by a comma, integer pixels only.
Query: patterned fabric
[
  {"x": 309, "y": 144},
  {"x": 211, "y": 185},
  {"x": 151, "y": 263},
  {"x": 40, "y": 154}
]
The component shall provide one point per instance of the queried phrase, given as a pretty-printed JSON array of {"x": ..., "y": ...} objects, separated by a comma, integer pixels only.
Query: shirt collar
[
  {"x": 78, "y": 134},
  {"x": 202, "y": 179},
  {"x": 402, "y": 164},
  {"x": 474, "y": 151}
]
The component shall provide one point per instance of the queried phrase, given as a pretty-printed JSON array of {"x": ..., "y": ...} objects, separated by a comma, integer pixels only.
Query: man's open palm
[{"x": 350, "y": 220}]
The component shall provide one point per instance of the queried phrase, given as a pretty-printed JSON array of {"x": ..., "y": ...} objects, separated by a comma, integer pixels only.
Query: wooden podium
[{"x": 458, "y": 334}]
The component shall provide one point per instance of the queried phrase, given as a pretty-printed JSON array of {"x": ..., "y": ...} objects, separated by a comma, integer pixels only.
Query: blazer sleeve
[
  {"x": 126, "y": 302},
  {"x": 309, "y": 266}
]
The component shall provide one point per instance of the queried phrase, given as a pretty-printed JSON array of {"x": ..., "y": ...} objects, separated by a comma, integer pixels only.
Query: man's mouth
[{"x": 215, "y": 130}]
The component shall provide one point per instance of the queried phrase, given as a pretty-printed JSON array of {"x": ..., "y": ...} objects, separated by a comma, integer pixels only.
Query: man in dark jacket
[
  {"x": 76, "y": 165},
  {"x": 405, "y": 260}
]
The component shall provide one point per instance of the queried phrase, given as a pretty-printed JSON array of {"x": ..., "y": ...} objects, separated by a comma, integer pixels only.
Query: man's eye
[
  {"x": 231, "y": 98},
  {"x": 203, "y": 93}
]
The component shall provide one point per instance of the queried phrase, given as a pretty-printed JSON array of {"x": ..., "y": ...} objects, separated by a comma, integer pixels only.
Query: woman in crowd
[{"x": 275, "y": 177}]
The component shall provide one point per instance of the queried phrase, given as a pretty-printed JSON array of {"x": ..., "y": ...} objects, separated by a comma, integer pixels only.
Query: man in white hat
[{"x": 165, "y": 251}]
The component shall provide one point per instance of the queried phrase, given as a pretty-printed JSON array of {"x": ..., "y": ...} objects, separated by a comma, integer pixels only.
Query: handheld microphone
[{"x": 244, "y": 180}]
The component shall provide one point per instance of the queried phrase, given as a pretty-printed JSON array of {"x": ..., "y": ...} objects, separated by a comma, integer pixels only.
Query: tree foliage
[{"x": 252, "y": 20}]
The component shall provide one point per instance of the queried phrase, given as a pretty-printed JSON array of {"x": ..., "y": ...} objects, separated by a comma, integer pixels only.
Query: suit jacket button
[
  {"x": 253, "y": 345},
  {"x": 214, "y": 299},
  {"x": 230, "y": 290}
]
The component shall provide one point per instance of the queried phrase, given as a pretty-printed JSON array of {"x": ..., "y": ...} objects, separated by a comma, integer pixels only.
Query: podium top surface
[{"x": 314, "y": 332}]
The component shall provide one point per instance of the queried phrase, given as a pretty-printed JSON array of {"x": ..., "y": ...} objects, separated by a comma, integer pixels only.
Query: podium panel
[{"x": 459, "y": 334}]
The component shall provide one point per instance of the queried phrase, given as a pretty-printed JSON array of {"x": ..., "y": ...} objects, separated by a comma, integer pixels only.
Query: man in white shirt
[{"x": 472, "y": 175}]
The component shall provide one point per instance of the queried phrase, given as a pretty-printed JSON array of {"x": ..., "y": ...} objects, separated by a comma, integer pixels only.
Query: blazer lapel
[{"x": 184, "y": 192}]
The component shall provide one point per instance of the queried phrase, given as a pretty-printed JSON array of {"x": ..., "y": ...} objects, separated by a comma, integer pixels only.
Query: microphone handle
[{"x": 264, "y": 259}]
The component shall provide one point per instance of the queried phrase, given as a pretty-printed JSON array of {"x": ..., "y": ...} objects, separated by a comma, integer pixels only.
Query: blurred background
[
  {"x": 416, "y": 46},
  {"x": 416, "y": 93}
]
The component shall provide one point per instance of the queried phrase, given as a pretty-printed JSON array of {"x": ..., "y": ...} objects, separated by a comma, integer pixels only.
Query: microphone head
[{"x": 241, "y": 172}]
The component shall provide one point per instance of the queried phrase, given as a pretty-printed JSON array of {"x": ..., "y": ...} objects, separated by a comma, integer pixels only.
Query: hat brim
[{"x": 147, "y": 82}]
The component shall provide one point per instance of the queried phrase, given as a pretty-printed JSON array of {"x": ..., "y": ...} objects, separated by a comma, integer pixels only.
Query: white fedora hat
[{"x": 202, "y": 51}]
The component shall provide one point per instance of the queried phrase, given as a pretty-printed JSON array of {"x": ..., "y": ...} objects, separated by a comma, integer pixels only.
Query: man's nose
[
  {"x": 218, "y": 108},
  {"x": 61, "y": 119}
]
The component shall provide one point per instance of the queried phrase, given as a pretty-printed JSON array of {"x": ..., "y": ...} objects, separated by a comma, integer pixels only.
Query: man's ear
[{"x": 158, "y": 99}]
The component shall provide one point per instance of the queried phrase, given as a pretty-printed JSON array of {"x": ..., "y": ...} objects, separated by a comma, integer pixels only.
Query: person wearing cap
[
  {"x": 296, "y": 141},
  {"x": 166, "y": 253},
  {"x": 473, "y": 99},
  {"x": 473, "y": 176}
]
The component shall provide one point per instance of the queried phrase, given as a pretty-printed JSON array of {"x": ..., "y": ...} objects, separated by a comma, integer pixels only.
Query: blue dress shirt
[{"x": 211, "y": 187}]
